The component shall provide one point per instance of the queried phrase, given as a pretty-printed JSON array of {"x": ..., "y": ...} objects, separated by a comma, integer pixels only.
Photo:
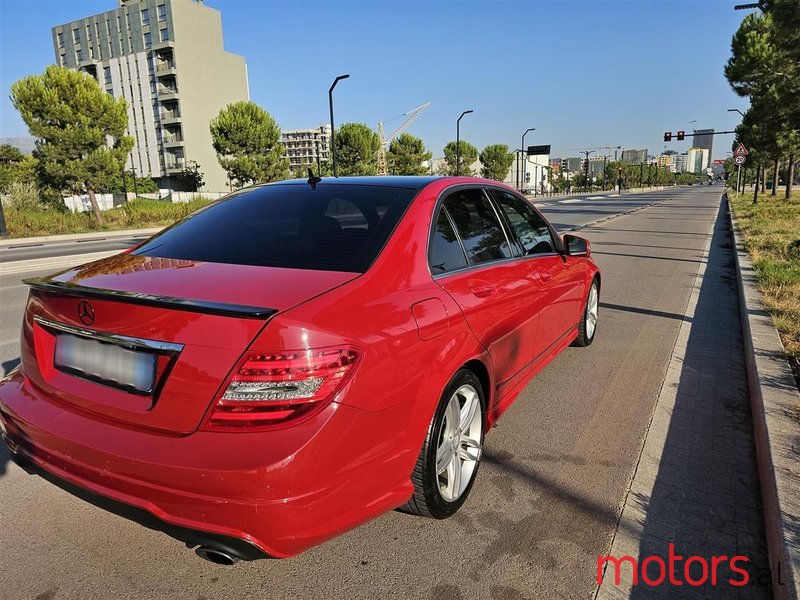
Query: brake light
[{"x": 272, "y": 389}]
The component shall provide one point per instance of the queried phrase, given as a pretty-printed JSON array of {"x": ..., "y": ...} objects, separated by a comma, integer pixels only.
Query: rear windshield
[{"x": 333, "y": 228}]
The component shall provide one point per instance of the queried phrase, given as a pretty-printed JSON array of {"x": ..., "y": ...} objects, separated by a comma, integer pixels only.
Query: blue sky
[{"x": 584, "y": 73}]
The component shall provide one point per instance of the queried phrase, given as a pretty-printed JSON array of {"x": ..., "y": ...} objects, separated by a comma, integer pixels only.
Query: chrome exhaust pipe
[{"x": 218, "y": 557}]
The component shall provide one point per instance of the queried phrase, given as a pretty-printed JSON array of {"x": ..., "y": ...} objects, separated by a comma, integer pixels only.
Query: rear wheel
[
  {"x": 588, "y": 324},
  {"x": 448, "y": 463}
]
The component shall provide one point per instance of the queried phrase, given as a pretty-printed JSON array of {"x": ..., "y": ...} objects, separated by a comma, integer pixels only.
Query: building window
[
  {"x": 79, "y": 55},
  {"x": 62, "y": 58},
  {"x": 119, "y": 23},
  {"x": 164, "y": 34},
  {"x": 162, "y": 12},
  {"x": 91, "y": 51},
  {"x": 107, "y": 74},
  {"x": 145, "y": 17},
  {"x": 60, "y": 39},
  {"x": 76, "y": 35},
  {"x": 153, "y": 88},
  {"x": 148, "y": 40}
]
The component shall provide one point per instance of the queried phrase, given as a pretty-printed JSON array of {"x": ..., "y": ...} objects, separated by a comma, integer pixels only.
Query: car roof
[{"x": 397, "y": 181}]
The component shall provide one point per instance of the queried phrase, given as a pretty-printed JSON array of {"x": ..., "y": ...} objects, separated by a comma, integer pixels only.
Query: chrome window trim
[{"x": 493, "y": 263}]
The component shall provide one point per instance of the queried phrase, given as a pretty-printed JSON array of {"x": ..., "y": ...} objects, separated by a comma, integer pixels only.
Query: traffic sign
[
  {"x": 740, "y": 150},
  {"x": 739, "y": 160}
]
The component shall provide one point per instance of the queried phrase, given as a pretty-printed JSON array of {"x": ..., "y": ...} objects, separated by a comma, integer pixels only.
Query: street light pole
[
  {"x": 521, "y": 161},
  {"x": 330, "y": 106},
  {"x": 458, "y": 141}
]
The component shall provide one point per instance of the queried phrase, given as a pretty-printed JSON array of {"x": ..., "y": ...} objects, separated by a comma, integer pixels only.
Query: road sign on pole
[
  {"x": 739, "y": 160},
  {"x": 740, "y": 150}
]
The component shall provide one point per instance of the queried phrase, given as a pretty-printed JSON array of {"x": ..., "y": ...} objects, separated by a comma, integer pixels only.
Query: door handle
[{"x": 481, "y": 290}]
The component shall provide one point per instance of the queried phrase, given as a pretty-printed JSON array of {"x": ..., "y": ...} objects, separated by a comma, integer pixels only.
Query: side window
[
  {"x": 446, "y": 253},
  {"x": 531, "y": 229},
  {"x": 480, "y": 230}
]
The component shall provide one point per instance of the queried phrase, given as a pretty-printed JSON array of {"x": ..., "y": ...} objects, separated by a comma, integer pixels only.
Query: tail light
[{"x": 273, "y": 389}]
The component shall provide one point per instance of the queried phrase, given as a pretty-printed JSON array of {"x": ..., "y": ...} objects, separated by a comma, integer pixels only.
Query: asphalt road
[{"x": 546, "y": 500}]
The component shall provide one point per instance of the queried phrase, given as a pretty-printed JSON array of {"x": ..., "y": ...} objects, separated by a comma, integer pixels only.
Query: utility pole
[{"x": 522, "y": 157}]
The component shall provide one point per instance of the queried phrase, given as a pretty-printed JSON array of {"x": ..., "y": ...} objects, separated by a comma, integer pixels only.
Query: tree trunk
[
  {"x": 775, "y": 176},
  {"x": 789, "y": 176},
  {"x": 95, "y": 208},
  {"x": 764, "y": 179},
  {"x": 755, "y": 188}
]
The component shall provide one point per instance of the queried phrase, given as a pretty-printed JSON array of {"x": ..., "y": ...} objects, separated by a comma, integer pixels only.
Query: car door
[
  {"x": 473, "y": 259},
  {"x": 558, "y": 281}
]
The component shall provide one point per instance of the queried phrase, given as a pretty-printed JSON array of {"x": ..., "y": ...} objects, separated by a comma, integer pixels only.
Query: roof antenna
[{"x": 313, "y": 180}]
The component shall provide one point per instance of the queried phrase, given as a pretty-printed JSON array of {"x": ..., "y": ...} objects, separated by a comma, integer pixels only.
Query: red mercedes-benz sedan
[{"x": 296, "y": 358}]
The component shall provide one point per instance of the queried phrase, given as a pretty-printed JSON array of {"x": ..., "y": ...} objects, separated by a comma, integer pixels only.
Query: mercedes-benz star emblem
[{"x": 85, "y": 312}]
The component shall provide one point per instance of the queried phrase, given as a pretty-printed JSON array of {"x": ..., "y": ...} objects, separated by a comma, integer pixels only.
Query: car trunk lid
[{"x": 148, "y": 341}]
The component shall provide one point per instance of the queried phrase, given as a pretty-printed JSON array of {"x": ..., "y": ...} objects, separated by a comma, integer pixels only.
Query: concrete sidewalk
[{"x": 696, "y": 485}]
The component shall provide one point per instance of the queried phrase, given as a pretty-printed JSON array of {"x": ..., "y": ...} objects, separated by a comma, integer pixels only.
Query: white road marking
[
  {"x": 53, "y": 262},
  {"x": 570, "y": 201},
  {"x": 595, "y": 197}
]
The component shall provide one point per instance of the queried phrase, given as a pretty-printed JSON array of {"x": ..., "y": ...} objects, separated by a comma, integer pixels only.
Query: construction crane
[{"x": 383, "y": 167}]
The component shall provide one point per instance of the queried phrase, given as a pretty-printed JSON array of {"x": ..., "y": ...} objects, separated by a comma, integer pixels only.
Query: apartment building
[
  {"x": 166, "y": 58},
  {"x": 302, "y": 146}
]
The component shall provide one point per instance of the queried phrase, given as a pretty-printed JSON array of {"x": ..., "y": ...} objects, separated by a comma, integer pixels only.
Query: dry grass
[
  {"x": 137, "y": 214},
  {"x": 771, "y": 231}
]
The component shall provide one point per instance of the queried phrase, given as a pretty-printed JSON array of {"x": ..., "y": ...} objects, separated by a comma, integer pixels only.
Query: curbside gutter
[
  {"x": 71, "y": 237},
  {"x": 774, "y": 399}
]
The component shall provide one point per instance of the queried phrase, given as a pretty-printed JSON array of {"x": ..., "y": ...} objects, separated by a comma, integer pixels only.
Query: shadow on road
[
  {"x": 706, "y": 497},
  {"x": 9, "y": 365}
]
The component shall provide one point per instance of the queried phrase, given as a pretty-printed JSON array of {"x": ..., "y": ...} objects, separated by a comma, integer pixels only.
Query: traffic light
[
  {"x": 681, "y": 135},
  {"x": 667, "y": 136},
  {"x": 528, "y": 177}
]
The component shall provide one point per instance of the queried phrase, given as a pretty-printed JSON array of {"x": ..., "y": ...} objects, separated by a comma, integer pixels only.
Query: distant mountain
[{"x": 23, "y": 144}]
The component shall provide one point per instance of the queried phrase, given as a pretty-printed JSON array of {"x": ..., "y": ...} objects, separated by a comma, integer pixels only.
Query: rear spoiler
[{"x": 201, "y": 306}]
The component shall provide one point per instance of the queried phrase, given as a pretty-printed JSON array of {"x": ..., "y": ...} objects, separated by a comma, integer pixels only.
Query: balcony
[
  {"x": 175, "y": 165},
  {"x": 170, "y": 116},
  {"x": 167, "y": 92},
  {"x": 173, "y": 140},
  {"x": 164, "y": 68}
]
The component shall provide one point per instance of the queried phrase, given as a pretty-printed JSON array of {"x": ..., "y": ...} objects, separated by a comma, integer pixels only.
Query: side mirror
[{"x": 577, "y": 246}]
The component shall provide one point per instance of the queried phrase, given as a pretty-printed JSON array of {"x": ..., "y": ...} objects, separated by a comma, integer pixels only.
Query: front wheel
[
  {"x": 588, "y": 324},
  {"x": 448, "y": 463}
]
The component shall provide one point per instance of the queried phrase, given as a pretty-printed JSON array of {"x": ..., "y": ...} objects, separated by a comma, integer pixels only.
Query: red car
[{"x": 296, "y": 358}]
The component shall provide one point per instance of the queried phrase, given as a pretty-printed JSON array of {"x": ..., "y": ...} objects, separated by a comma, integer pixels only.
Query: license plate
[{"x": 104, "y": 363}]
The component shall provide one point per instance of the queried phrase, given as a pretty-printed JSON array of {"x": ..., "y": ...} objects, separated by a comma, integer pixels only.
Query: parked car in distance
[{"x": 296, "y": 358}]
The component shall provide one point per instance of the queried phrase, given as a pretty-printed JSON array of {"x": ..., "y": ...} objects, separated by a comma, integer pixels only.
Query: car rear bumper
[{"x": 274, "y": 493}]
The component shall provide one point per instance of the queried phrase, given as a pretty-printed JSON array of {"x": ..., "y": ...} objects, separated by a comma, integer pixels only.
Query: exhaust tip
[{"x": 218, "y": 557}]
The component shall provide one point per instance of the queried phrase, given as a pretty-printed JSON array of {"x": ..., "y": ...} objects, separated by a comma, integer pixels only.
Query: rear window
[{"x": 333, "y": 228}]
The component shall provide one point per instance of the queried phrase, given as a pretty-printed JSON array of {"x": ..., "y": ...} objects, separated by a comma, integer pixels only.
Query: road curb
[
  {"x": 774, "y": 399},
  {"x": 24, "y": 241}
]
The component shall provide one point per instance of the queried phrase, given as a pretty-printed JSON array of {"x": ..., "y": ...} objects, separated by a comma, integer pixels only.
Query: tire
[
  {"x": 587, "y": 328},
  {"x": 440, "y": 495}
]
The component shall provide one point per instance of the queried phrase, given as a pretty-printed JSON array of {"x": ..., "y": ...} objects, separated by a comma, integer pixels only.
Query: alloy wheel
[{"x": 459, "y": 447}]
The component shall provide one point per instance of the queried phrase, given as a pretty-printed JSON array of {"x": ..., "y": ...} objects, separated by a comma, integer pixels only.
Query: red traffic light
[
  {"x": 667, "y": 136},
  {"x": 681, "y": 135}
]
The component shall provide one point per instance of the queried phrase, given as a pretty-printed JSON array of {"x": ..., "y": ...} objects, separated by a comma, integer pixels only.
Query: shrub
[{"x": 22, "y": 196}]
